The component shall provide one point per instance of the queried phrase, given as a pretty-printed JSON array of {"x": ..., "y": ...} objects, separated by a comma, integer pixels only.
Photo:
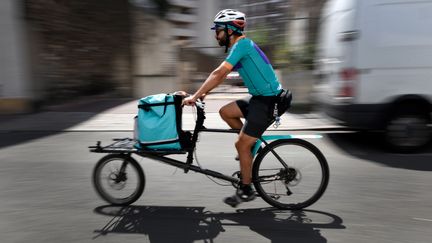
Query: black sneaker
[{"x": 243, "y": 194}]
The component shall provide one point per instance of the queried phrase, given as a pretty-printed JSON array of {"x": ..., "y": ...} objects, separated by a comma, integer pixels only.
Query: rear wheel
[
  {"x": 118, "y": 179},
  {"x": 299, "y": 185},
  {"x": 408, "y": 129}
]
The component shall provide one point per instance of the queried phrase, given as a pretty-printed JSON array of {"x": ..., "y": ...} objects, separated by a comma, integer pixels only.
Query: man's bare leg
[
  {"x": 244, "y": 146},
  {"x": 245, "y": 192},
  {"x": 231, "y": 114}
]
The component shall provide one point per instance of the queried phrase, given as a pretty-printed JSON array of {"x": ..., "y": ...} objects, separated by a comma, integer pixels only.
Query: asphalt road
[{"x": 46, "y": 195}]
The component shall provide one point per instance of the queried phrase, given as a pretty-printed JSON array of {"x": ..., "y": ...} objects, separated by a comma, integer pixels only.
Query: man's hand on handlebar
[{"x": 191, "y": 100}]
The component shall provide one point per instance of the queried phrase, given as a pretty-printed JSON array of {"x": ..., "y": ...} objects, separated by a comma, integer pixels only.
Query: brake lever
[{"x": 200, "y": 104}]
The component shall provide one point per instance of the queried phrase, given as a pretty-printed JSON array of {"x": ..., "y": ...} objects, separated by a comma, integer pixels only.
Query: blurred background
[
  {"x": 55, "y": 50},
  {"x": 365, "y": 64},
  {"x": 71, "y": 73}
]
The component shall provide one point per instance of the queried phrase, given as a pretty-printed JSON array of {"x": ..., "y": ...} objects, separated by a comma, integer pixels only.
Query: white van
[{"x": 374, "y": 61}]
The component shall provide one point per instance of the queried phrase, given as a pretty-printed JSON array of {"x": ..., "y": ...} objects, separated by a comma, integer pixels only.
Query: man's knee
[
  {"x": 223, "y": 113},
  {"x": 245, "y": 142},
  {"x": 231, "y": 111},
  {"x": 242, "y": 146}
]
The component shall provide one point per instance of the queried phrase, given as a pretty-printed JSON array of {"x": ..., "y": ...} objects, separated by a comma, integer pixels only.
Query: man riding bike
[{"x": 263, "y": 86}]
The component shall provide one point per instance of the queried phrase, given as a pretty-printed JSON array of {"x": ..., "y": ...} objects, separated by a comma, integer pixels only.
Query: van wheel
[{"x": 408, "y": 130}]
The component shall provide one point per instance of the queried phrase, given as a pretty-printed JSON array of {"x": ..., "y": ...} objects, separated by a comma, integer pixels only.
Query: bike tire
[
  {"x": 283, "y": 147},
  {"x": 132, "y": 165}
]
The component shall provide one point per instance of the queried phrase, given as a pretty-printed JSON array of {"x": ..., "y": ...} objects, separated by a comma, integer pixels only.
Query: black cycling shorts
[{"x": 258, "y": 112}]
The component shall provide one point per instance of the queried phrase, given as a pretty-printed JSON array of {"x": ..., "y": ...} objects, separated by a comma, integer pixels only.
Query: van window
[
  {"x": 407, "y": 24},
  {"x": 333, "y": 6}
]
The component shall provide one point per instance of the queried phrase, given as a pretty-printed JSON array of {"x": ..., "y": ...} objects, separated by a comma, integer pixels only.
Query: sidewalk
[{"x": 118, "y": 114}]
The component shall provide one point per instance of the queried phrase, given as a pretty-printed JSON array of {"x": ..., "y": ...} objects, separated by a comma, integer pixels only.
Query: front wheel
[
  {"x": 118, "y": 179},
  {"x": 298, "y": 184}
]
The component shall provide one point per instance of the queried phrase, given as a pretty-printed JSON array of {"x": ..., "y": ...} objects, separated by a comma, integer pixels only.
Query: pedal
[{"x": 233, "y": 201}]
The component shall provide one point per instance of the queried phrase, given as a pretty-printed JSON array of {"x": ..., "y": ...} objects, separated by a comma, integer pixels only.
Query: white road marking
[{"x": 421, "y": 219}]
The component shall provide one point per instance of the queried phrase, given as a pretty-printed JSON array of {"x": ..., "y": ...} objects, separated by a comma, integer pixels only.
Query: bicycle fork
[{"x": 121, "y": 176}]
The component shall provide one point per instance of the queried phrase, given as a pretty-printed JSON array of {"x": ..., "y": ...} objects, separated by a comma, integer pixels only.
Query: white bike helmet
[{"x": 230, "y": 18}]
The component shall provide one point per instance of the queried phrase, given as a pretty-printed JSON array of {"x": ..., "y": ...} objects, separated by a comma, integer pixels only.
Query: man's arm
[{"x": 213, "y": 80}]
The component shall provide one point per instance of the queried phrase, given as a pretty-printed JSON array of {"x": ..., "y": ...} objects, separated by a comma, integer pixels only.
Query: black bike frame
[
  {"x": 160, "y": 155},
  {"x": 187, "y": 167}
]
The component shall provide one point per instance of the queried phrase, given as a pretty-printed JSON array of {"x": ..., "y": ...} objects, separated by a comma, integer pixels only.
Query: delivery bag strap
[{"x": 147, "y": 106}]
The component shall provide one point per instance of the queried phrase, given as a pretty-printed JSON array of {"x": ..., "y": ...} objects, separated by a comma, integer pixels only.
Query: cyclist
[{"x": 263, "y": 85}]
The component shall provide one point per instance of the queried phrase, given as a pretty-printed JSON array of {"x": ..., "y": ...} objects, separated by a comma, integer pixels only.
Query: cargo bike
[{"x": 288, "y": 172}]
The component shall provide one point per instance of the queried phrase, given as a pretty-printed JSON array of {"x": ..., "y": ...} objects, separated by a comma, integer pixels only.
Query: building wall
[
  {"x": 79, "y": 48},
  {"x": 15, "y": 90},
  {"x": 154, "y": 55},
  {"x": 205, "y": 40}
]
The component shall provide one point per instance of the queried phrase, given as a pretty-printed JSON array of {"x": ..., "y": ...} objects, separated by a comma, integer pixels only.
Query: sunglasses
[{"x": 218, "y": 30}]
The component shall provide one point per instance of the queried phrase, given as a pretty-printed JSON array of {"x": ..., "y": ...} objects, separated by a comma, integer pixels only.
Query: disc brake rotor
[
  {"x": 115, "y": 182},
  {"x": 293, "y": 177}
]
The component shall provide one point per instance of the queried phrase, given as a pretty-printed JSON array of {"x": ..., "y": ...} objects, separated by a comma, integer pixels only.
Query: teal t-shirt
[{"x": 254, "y": 67}]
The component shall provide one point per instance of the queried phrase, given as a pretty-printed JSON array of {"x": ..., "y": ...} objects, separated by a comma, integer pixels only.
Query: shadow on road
[
  {"x": 190, "y": 224},
  {"x": 370, "y": 146},
  {"x": 51, "y": 121}
]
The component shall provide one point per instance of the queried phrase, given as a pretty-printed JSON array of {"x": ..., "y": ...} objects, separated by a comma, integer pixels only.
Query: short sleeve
[{"x": 237, "y": 52}]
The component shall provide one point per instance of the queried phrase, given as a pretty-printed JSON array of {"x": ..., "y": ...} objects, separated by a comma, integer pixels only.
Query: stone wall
[
  {"x": 154, "y": 55},
  {"x": 79, "y": 48}
]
